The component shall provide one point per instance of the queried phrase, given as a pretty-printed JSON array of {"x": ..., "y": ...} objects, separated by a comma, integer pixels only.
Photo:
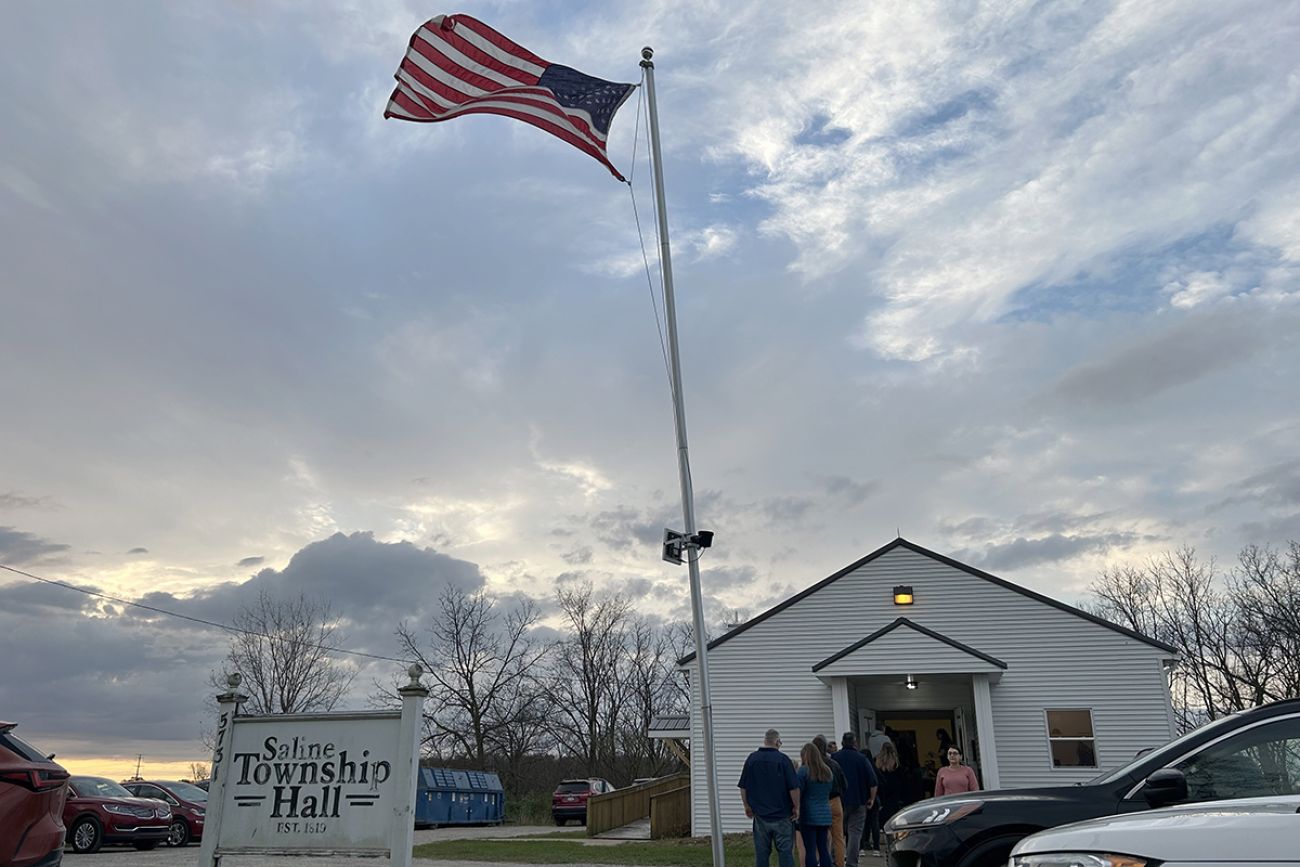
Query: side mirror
[{"x": 1164, "y": 787}]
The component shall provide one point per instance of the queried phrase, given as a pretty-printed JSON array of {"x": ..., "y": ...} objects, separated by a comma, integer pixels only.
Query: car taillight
[{"x": 38, "y": 780}]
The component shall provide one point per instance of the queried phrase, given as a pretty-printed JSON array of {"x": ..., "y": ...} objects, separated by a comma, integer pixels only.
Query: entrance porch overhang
[{"x": 903, "y": 648}]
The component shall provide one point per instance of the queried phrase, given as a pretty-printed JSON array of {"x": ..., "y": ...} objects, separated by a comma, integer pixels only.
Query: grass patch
[
  {"x": 685, "y": 852},
  {"x": 534, "y": 809}
]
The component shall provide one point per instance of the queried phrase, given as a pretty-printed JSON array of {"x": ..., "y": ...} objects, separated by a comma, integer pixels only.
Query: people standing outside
[
  {"x": 889, "y": 795},
  {"x": 955, "y": 778},
  {"x": 838, "y": 785},
  {"x": 815, "y": 781},
  {"x": 859, "y": 794},
  {"x": 769, "y": 790}
]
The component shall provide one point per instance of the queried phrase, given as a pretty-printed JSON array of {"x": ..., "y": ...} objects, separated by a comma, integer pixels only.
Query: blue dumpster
[{"x": 445, "y": 796}]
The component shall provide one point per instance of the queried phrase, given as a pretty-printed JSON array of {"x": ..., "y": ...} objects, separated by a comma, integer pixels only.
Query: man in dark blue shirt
[
  {"x": 769, "y": 790},
  {"x": 859, "y": 795}
]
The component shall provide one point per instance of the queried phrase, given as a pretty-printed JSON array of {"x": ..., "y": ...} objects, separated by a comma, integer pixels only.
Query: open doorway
[{"x": 922, "y": 738}]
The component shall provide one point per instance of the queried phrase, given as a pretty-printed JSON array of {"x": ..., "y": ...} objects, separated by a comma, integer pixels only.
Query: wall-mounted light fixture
[
  {"x": 911, "y": 682},
  {"x": 903, "y": 595}
]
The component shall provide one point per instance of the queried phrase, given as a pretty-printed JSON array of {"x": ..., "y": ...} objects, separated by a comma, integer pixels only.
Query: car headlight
[
  {"x": 199, "y": 813},
  {"x": 1076, "y": 859},
  {"x": 119, "y": 809},
  {"x": 162, "y": 812},
  {"x": 934, "y": 814}
]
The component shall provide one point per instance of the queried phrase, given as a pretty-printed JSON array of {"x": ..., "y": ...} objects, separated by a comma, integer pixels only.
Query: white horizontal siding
[
  {"x": 762, "y": 677},
  {"x": 906, "y": 651}
]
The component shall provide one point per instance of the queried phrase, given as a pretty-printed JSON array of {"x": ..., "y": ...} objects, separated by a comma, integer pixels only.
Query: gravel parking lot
[{"x": 117, "y": 856}]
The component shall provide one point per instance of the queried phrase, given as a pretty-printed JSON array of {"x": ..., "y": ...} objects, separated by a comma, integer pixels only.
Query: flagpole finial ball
[{"x": 647, "y": 52}]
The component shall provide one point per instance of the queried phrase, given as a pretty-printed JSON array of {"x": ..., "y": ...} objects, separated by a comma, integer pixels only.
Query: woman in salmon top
[{"x": 956, "y": 777}]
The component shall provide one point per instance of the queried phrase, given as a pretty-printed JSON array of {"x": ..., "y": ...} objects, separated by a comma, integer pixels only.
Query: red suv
[
  {"x": 100, "y": 811},
  {"x": 189, "y": 805},
  {"x": 32, "y": 789},
  {"x": 570, "y": 798}
]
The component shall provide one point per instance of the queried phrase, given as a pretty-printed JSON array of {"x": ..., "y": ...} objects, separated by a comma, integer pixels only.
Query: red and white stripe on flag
[{"x": 457, "y": 65}]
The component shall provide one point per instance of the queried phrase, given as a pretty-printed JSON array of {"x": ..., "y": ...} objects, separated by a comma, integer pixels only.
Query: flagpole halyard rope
[{"x": 645, "y": 257}]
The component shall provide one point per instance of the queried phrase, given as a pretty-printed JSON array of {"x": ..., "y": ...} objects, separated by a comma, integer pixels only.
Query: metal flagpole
[{"x": 691, "y": 543}]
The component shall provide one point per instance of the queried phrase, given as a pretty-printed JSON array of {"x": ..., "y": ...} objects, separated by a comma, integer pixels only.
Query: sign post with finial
[
  {"x": 408, "y": 758},
  {"x": 227, "y": 707},
  {"x": 691, "y": 542}
]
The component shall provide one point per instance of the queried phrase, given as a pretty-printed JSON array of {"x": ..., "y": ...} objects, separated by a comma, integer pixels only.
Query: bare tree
[
  {"x": 283, "y": 652},
  {"x": 198, "y": 771},
  {"x": 1238, "y": 634},
  {"x": 585, "y": 685},
  {"x": 651, "y": 687},
  {"x": 485, "y": 699}
]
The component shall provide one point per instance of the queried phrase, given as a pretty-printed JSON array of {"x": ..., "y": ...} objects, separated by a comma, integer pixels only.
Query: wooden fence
[
  {"x": 616, "y": 809},
  {"x": 670, "y": 813}
]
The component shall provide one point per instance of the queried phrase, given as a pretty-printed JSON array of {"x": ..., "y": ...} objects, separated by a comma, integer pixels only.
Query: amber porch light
[{"x": 903, "y": 595}]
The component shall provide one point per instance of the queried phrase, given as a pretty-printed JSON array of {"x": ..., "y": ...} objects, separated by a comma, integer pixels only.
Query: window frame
[{"x": 1047, "y": 730}]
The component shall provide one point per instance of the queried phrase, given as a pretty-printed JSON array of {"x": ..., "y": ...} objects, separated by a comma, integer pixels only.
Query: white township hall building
[{"x": 1036, "y": 692}]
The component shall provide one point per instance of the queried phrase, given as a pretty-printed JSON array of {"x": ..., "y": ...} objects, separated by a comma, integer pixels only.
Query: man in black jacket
[{"x": 859, "y": 794}]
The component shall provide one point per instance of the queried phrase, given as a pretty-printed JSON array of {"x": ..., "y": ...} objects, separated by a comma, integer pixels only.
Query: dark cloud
[
  {"x": 850, "y": 489},
  {"x": 14, "y": 500},
  {"x": 132, "y": 676},
  {"x": 578, "y": 556},
  {"x": 1271, "y": 532},
  {"x": 624, "y": 528},
  {"x": 1196, "y": 347},
  {"x": 250, "y": 561},
  {"x": 1279, "y": 485},
  {"x": 1024, "y": 552},
  {"x": 728, "y": 577},
  {"x": 138, "y": 551},
  {"x": 17, "y": 547},
  {"x": 1032, "y": 524},
  {"x": 787, "y": 509}
]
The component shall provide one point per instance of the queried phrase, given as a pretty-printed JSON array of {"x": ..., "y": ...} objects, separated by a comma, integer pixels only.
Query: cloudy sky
[{"x": 1018, "y": 280}]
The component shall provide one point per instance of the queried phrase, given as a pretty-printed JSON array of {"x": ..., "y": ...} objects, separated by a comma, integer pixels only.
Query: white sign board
[
  {"x": 308, "y": 784},
  {"x": 322, "y": 782}
]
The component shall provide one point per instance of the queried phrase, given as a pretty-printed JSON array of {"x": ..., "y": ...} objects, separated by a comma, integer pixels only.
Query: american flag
[{"x": 457, "y": 65}]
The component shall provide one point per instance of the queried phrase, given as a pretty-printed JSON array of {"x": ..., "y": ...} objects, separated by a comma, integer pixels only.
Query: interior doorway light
[{"x": 911, "y": 682}]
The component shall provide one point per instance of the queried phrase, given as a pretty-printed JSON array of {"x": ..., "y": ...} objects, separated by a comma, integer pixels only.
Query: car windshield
[
  {"x": 572, "y": 787},
  {"x": 1160, "y": 755},
  {"x": 186, "y": 792},
  {"x": 98, "y": 787}
]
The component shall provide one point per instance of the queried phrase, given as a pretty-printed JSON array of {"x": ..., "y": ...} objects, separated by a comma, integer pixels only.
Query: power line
[{"x": 233, "y": 629}]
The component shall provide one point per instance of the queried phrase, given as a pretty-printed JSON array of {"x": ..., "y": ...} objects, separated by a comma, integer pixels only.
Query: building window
[{"x": 1070, "y": 738}]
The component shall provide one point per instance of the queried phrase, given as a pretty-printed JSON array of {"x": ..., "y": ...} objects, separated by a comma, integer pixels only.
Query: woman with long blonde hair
[
  {"x": 889, "y": 794},
  {"x": 815, "y": 780}
]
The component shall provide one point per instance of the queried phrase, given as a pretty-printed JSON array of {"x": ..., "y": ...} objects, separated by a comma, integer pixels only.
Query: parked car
[
  {"x": 32, "y": 791},
  {"x": 100, "y": 811},
  {"x": 189, "y": 806},
  {"x": 570, "y": 798},
  {"x": 1253, "y": 831},
  {"x": 1255, "y": 753}
]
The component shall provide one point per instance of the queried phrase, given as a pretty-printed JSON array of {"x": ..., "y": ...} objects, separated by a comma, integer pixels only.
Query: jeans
[
  {"x": 778, "y": 833},
  {"x": 854, "y": 821},
  {"x": 816, "y": 839},
  {"x": 873, "y": 828}
]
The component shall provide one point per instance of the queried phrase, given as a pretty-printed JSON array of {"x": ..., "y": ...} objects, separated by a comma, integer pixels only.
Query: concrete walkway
[{"x": 638, "y": 830}]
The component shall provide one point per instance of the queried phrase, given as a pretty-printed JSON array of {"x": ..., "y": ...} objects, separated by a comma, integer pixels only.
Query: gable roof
[
  {"x": 904, "y": 622},
  {"x": 900, "y": 542}
]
